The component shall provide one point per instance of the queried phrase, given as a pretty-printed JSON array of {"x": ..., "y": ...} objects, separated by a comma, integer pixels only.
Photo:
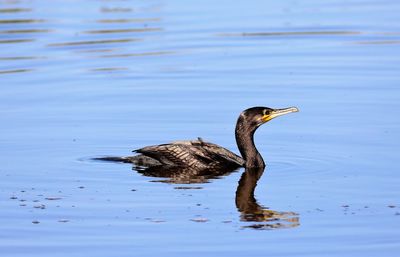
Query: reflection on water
[
  {"x": 128, "y": 20},
  {"x": 88, "y": 77},
  {"x": 95, "y": 42},
  {"x": 21, "y": 21},
  {"x": 14, "y": 71},
  {"x": 14, "y": 41},
  {"x": 183, "y": 175},
  {"x": 105, "y": 31},
  {"x": 379, "y": 42},
  {"x": 24, "y": 31},
  {"x": 290, "y": 33},
  {"x": 109, "y": 69},
  {"x": 137, "y": 54},
  {"x": 117, "y": 27},
  {"x": 129, "y": 30},
  {"x": 115, "y": 9},
  {"x": 16, "y": 58},
  {"x": 14, "y": 10},
  {"x": 251, "y": 211}
]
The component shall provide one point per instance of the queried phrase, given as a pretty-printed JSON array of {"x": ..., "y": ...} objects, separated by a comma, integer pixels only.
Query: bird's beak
[{"x": 278, "y": 112}]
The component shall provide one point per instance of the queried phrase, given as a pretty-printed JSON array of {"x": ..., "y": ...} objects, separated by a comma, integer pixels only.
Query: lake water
[{"x": 81, "y": 79}]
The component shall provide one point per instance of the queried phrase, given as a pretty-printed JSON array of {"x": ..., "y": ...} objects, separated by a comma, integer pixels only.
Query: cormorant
[{"x": 199, "y": 155}]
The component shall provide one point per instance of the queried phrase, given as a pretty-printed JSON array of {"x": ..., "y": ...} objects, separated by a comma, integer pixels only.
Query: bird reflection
[
  {"x": 183, "y": 175},
  {"x": 251, "y": 211}
]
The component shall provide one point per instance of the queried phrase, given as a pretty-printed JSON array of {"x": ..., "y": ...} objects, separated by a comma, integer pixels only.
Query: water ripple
[
  {"x": 137, "y": 54},
  {"x": 300, "y": 166},
  {"x": 14, "y": 71},
  {"x": 289, "y": 33},
  {"x": 128, "y": 20},
  {"x": 14, "y": 10},
  {"x": 116, "y": 9},
  {"x": 379, "y": 42},
  {"x": 13, "y": 41},
  {"x": 24, "y": 31},
  {"x": 22, "y": 21},
  {"x": 95, "y": 42},
  {"x": 111, "y": 69},
  {"x": 308, "y": 33},
  {"x": 16, "y": 58},
  {"x": 108, "y": 31}
]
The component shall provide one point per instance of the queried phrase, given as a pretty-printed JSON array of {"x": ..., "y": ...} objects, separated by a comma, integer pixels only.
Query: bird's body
[
  {"x": 200, "y": 155},
  {"x": 196, "y": 154}
]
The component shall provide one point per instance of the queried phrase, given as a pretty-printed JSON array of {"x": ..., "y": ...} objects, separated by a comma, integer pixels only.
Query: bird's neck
[{"x": 247, "y": 148}]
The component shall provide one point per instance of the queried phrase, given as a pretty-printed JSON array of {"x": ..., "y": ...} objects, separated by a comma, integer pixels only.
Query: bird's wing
[
  {"x": 219, "y": 152},
  {"x": 176, "y": 155},
  {"x": 192, "y": 153}
]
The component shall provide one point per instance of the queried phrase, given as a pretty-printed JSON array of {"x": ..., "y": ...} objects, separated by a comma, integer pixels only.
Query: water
[{"x": 81, "y": 79}]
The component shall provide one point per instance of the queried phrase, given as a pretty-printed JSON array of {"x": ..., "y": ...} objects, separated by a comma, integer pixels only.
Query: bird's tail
[
  {"x": 139, "y": 160},
  {"x": 113, "y": 159}
]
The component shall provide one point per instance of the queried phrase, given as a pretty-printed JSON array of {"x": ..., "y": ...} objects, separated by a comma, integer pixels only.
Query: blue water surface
[{"x": 81, "y": 79}]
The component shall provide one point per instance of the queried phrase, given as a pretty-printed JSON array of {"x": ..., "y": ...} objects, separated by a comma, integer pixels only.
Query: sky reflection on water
[{"x": 89, "y": 78}]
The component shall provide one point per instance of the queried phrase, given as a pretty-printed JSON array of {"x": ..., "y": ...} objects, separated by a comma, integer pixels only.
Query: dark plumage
[{"x": 201, "y": 155}]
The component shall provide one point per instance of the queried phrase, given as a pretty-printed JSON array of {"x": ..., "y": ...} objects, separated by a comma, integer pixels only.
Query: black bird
[{"x": 198, "y": 155}]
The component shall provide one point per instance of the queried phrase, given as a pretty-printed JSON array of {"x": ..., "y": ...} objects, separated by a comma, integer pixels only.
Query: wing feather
[{"x": 196, "y": 154}]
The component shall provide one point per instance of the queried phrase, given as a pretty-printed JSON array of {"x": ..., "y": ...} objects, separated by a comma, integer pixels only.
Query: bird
[{"x": 199, "y": 155}]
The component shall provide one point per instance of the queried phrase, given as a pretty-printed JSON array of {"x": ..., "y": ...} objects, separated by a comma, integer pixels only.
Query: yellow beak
[{"x": 278, "y": 112}]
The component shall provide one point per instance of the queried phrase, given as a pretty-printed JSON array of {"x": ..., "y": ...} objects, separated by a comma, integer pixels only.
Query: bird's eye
[{"x": 265, "y": 112}]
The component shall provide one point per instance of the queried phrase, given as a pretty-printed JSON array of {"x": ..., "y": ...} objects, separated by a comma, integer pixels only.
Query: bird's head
[{"x": 256, "y": 116}]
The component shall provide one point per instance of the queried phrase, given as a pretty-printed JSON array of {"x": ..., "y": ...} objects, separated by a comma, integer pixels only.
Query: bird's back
[{"x": 196, "y": 154}]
